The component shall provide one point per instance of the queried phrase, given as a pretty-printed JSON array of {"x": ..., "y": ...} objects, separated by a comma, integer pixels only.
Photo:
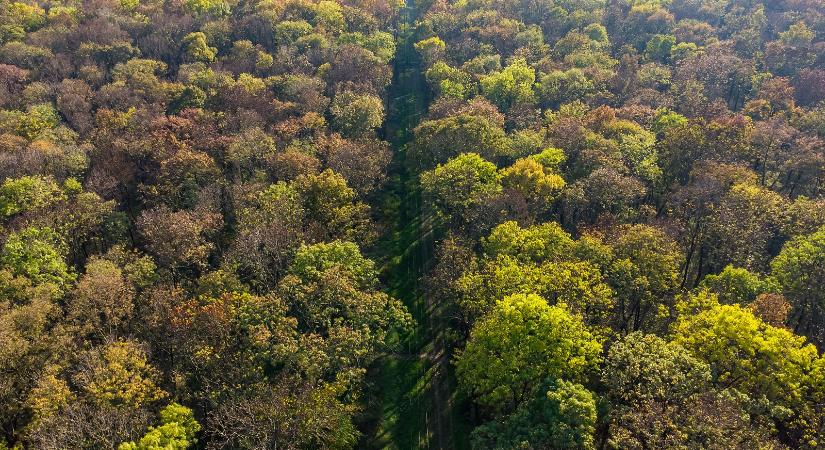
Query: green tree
[
  {"x": 431, "y": 50},
  {"x": 539, "y": 243},
  {"x": 744, "y": 224},
  {"x": 38, "y": 254},
  {"x": 558, "y": 87},
  {"x": 660, "y": 396},
  {"x": 512, "y": 86},
  {"x": 330, "y": 15},
  {"x": 331, "y": 208},
  {"x": 449, "y": 81},
  {"x": 436, "y": 141},
  {"x": 331, "y": 288},
  {"x": 198, "y": 49},
  {"x": 520, "y": 343},
  {"x": 176, "y": 431},
  {"x": 644, "y": 274},
  {"x": 356, "y": 115},
  {"x": 461, "y": 185},
  {"x": 28, "y": 193},
  {"x": 561, "y": 416},
  {"x": 530, "y": 178},
  {"x": 735, "y": 285},
  {"x": 799, "y": 270},
  {"x": 777, "y": 370},
  {"x": 38, "y": 119},
  {"x": 214, "y": 8},
  {"x": 659, "y": 46}
]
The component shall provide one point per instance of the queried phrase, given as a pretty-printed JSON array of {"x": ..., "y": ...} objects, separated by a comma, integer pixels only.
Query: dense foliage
[{"x": 203, "y": 203}]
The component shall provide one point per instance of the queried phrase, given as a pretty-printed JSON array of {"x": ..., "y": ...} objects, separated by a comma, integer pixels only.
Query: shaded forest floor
[{"x": 412, "y": 404}]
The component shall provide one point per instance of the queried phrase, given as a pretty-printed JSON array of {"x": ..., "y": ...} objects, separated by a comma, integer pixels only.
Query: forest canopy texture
[{"x": 336, "y": 224}]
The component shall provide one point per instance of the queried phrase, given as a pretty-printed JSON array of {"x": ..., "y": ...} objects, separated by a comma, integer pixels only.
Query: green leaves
[
  {"x": 562, "y": 415},
  {"x": 460, "y": 185},
  {"x": 736, "y": 285},
  {"x": 799, "y": 270},
  {"x": 357, "y": 115},
  {"x": 436, "y": 141},
  {"x": 311, "y": 262},
  {"x": 198, "y": 49},
  {"x": 512, "y": 86},
  {"x": 332, "y": 290},
  {"x": 119, "y": 373},
  {"x": 744, "y": 353},
  {"x": 38, "y": 254},
  {"x": 538, "y": 243},
  {"x": 28, "y": 193},
  {"x": 176, "y": 431},
  {"x": 520, "y": 343}
]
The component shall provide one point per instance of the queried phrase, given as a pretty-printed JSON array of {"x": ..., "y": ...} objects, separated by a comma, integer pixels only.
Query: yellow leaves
[
  {"x": 529, "y": 177},
  {"x": 49, "y": 394},
  {"x": 119, "y": 373},
  {"x": 747, "y": 354}
]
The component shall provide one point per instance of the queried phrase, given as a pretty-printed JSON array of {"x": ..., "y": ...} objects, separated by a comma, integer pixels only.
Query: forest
[{"x": 431, "y": 224}]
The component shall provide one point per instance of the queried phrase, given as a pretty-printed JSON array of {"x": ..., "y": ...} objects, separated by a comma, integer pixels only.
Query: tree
[
  {"x": 331, "y": 208},
  {"x": 744, "y": 225},
  {"x": 436, "y": 141},
  {"x": 28, "y": 193},
  {"x": 449, "y": 82},
  {"x": 330, "y": 15},
  {"x": 269, "y": 229},
  {"x": 561, "y": 416},
  {"x": 558, "y": 87},
  {"x": 798, "y": 270},
  {"x": 540, "y": 260},
  {"x": 331, "y": 288},
  {"x": 660, "y": 395},
  {"x": 27, "y": 313},
  {"x": 431, "y": 50},
  {"x": 659, "y": 47},
  {"x": 735, "y": 285},
  {"x": 644, "y": 274},
  {"x": 291, "y": 414},
  {"x": 459, "y": 186},
  {"x": 362, "y": 162},
  {"x": 119, "y": 373},
  {"x": 512, "y": 86},
  {"x": 215, "y": 8},
  {"x": 103, "y": 299},
  {"x": 539, "y": 243},
  {"x": 179, "y": 239},
  {"x": 198, "y": 49},
  {"x": 643, "y": 368},
  {"x": 356, "y": 115},
  {"x": 772, "y": 367},
  {"x": 530, "y": 178},
  {"x": 176, "y": 431},
  {"x": 577, "y": 284},
  {"x": 38, "y": 254},
  {"x": 519, "y": 344}
]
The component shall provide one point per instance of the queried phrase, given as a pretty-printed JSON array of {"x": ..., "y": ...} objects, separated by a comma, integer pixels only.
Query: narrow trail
[{"x": 414, "y": 384}]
